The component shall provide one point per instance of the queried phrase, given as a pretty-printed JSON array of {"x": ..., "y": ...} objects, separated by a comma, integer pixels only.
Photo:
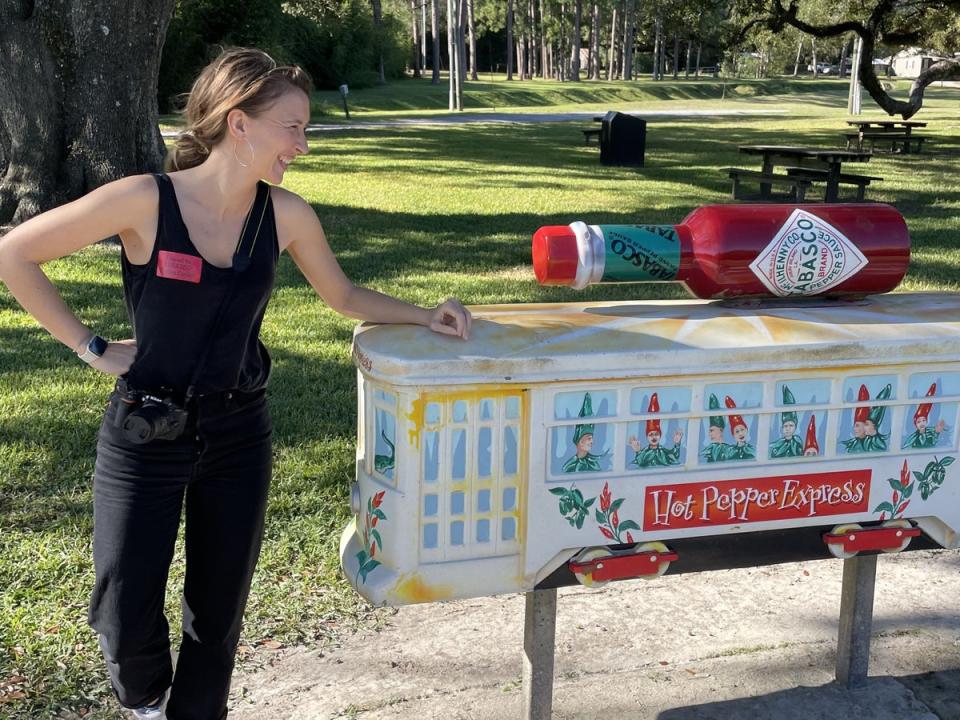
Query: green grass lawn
[{"x": 421, "y": 213}]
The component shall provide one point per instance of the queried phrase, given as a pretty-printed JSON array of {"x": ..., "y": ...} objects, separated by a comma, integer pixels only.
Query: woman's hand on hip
[
  {"x": 118, "y": 357},
  {"x": 451, "y": 318}
]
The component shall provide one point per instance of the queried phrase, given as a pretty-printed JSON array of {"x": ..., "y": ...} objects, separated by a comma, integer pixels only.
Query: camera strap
[{"x": 242, "y": 258}]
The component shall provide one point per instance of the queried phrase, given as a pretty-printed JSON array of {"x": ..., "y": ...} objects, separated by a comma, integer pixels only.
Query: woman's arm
[
  {"x": 302, "y": 235},
  {"x": 118, "y": 208}
]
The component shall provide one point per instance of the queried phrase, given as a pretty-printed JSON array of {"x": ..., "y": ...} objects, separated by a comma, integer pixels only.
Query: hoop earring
[{"x": 252, "y": 154}]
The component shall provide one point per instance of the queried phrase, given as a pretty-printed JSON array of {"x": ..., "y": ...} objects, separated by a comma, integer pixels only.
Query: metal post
[
  {"x": 856, "y": 618},
  {"x": 539, "y": 629}
]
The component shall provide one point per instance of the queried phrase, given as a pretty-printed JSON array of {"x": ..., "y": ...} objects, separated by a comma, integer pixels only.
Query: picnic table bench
[
  {"x": 809, "y": 165},
  {"x": 896, "y": 132},
  {"x": 818, "y": 174},
  {"x": 907, "y": 143},
  {"x": 799, "y": 185},
  {"x": 590, "y": 133}
]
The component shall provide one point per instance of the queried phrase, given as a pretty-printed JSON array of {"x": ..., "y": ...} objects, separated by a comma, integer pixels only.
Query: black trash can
[{"x": 623, "y": 139}]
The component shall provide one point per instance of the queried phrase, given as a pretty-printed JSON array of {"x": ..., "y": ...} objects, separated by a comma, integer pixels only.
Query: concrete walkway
[{"x": 755, "y": 643}]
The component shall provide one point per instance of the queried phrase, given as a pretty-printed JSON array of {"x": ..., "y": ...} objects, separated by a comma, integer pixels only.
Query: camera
[{"x": 143, "y": 418}]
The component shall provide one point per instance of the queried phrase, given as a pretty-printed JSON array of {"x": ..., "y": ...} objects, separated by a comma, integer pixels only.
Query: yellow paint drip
[
  {"x": 410, "y": 588},
  {"x": 418, "y": 407}
]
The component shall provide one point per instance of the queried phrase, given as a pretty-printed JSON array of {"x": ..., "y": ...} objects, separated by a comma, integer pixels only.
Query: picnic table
[
  {"x": 804, "y": 166},
  {"x": 893, "y": 131}
]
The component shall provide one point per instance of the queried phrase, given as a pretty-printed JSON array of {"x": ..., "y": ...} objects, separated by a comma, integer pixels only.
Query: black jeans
[{"x": 222, "y": 466}]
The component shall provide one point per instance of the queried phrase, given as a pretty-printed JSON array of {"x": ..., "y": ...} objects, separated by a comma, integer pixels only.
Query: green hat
[
  {"x": 877, "y": 413},
  {"x": 716, "y": 420},
  {"x": 788, "y": 399},
  {"x": 586, "y": 410}
]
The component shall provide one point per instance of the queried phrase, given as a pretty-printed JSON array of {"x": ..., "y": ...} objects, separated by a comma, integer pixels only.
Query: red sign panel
[{"x": 734, "y": 502}]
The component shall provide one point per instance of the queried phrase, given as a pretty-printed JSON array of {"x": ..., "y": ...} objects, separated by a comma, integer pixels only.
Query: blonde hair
[{"x": 240, "y": 78}]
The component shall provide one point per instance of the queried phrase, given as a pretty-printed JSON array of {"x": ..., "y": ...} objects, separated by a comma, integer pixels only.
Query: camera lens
[{"x": 138, "y": 429}]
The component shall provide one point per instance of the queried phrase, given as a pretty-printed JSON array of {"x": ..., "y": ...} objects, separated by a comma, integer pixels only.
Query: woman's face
[{"x": 277, "y": 135}]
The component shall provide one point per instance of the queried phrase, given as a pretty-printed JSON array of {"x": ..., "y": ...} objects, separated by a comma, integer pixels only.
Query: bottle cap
[{"x": 555, "y": 255}]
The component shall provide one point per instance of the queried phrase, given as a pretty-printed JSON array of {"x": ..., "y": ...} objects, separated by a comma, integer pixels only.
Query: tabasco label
[
  {"x": 734, "y": 502},
  {"x": 807, "y": 256}
]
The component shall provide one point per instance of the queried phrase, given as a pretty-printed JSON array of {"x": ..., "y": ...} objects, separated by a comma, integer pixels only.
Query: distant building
[{"x": 909, "y": 63}]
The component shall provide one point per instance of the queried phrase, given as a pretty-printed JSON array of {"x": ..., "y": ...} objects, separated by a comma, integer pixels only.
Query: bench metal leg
[
  {"x": 539, "y": 631},
  {"x": 856, "y": 619}
]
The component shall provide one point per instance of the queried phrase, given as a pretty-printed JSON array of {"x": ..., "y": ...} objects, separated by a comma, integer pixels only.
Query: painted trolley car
[{"x": 587, "y": 440}]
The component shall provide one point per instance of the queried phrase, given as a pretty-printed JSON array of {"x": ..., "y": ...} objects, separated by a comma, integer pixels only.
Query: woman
[{"x": 188, "y": 423}]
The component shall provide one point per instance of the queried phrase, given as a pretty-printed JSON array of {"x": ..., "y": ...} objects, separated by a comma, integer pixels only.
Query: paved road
[{"x": 510, "y": 117}]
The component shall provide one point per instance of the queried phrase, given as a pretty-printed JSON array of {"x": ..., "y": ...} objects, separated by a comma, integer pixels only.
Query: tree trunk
[
  {"x": 629, "y": 19},
  {"x": 796, "y": 63},
  {"x": 686, "y": 65},
  {"x": 843, "y": 57},
  {"x": 377, "y": 8},
  {"x": 663, "y": 51},
  {"x": 510, "y": 41},
  {"x": 544, "y": 49},
  {"x": 612, "y": 50},
  {"x": 595, "y": 42},
  {"x": 813, "y": 46},
  {"x": 416, "y": 38},
  {"x": 452, "y": 57},
  {"x": 423, "y": 35},
  {"x": 699, "y": 47},
  {"x": 656, "y": 48},
  {"x": 472, "y": 33},
  {"x": 576, "y": 40},
  {"x": 676, "y": 55},
  {"x": 435, "y": 30},
  {"x": 69, "y": 120},
  {"x": 462, "y": 49},
  {"x": 534, "y": 47}
]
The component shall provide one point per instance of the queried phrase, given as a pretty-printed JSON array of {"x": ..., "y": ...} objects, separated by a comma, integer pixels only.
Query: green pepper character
[
  {"x": 717, "y": 450},
  {"x": 583, "y": 459},
  {"x": 788, "y": 445},
  {"x": 876, "y": 441}
]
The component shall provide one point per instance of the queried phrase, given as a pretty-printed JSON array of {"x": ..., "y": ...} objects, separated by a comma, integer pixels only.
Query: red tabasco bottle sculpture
[{"x": 722, "y": 251}]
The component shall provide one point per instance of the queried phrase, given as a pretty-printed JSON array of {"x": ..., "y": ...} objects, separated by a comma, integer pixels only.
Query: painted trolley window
[
  {"x": 729, "y": 432},
  {"x": 929, "y": 422},
  {"x": 471, "y": 477},
  {"x": 582, "y": 444},
  {"x": 658, "y": 440},
  {"x": 385, "y": 434},
  {"x": 799, "y": 428},
  {"x": 865, "y": 420}
]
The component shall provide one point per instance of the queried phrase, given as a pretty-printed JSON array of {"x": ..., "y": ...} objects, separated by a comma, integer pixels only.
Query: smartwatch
[{"x": 93, "y": 350}]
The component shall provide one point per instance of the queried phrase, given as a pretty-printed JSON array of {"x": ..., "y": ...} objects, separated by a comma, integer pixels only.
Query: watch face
[{"x": 97, "y": 345}]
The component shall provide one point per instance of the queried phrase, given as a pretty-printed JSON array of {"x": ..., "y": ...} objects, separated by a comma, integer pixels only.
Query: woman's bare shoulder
[{"x": 295, "y": 216}]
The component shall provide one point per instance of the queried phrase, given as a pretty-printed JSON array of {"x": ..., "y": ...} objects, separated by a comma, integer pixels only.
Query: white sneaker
[{"x": 152, "y": 712}]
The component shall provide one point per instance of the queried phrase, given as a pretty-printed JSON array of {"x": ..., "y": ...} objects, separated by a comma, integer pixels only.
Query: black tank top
[{"x": 173, "y": 301}]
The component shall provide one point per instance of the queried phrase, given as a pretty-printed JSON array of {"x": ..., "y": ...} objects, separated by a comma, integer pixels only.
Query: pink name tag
[{"x": 178, "y": 266}]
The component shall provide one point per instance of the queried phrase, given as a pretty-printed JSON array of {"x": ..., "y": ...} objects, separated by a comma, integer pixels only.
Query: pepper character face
[
  {"x": 740, "y": 433},
  {"x": 789, "y": 428},
  {"x": 921, "y": 422},
  {"x": 870, "y": 428},
  {"x": 809, "y": 452},
  {"x": 584, "y": 445},
  {"x": 716, "y": 434},
  {"x": 859, "y": 430},
  {"x": 653, "y": 438}
]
